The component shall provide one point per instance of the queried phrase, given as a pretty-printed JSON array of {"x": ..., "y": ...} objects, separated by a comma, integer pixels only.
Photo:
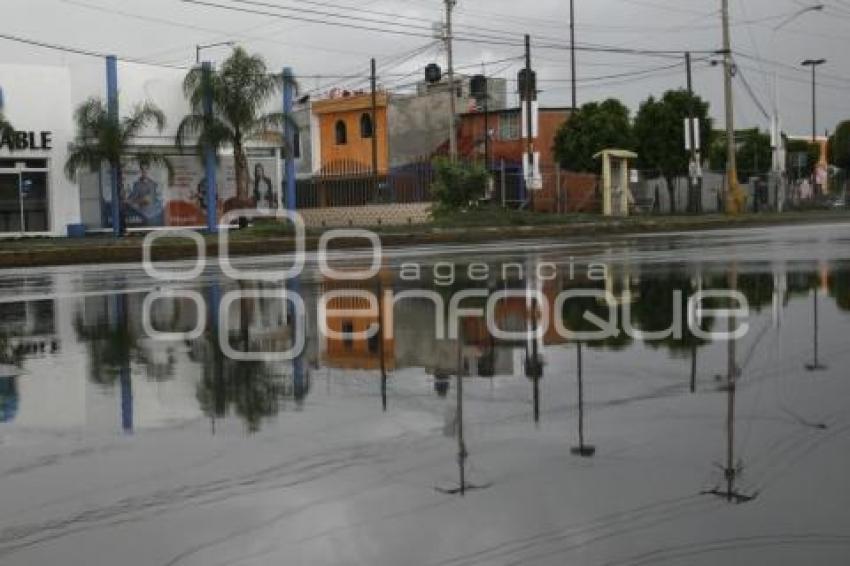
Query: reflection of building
[{"x": 353, "y": 352}]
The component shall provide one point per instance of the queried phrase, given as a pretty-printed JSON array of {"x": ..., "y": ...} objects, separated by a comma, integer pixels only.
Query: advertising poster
[{"x": 151, "y": 201}]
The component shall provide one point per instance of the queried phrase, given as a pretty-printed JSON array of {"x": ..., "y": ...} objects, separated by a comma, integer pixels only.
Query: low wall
[{"x": 368, "y": 216}]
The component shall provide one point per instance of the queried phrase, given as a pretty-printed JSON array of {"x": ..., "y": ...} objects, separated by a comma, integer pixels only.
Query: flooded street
[{"x": 119, "y": 446}]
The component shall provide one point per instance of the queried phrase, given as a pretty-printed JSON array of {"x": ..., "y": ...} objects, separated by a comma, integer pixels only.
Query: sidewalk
[{"x": 254, "y": 242}]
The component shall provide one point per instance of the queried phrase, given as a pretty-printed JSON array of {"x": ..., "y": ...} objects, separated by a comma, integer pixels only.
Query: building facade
[{"x": 37, "y": 198}]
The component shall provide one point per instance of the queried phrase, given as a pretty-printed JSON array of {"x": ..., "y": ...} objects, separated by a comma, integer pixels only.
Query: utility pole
[
  {"x": 529, "y": 122},
  {"x": 695, "y": 198},
  {"x": 374, "y": 85},
  {"x": 450, "y": 4},
  {"x": 486, "y": 119},
  {"x": 733, "y": 190},
  {"x": 573, "y": 51}
]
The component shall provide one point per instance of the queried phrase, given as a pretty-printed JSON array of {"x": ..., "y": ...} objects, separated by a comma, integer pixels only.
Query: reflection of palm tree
[
  {"x": 111, "y": 347},
  {"x": 250, "y": 389}
]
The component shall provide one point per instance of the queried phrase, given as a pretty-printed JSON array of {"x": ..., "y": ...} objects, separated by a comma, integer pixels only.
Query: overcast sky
[{"x": 166, "y": 31}]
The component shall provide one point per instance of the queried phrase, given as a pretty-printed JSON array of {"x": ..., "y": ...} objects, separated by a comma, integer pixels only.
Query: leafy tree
[
  {"x": 457, "y": 184},
  {"x": 839, "y": 146},
  {"x": 241, "y": 91},
  {"x": 754, "y": 152},
  {"x": 660, "y": 133},
  {"x": 99, "y": 139},
  {"x": 812, "y": 156},
  {"x": 593, "y": 128}
]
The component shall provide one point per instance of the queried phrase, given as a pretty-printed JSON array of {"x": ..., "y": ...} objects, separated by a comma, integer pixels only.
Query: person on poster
[
  {"x": 145, "y": 199},
  {"x": 264, "y": 193}
]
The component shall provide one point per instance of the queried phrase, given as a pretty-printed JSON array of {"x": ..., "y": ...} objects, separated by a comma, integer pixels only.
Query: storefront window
[{"x": 23, "y": 196}]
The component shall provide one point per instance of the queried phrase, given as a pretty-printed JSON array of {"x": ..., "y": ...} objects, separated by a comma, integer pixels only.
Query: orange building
[
  {"x": 507, "y": 140},
  {"x": 346, "y": 133}
]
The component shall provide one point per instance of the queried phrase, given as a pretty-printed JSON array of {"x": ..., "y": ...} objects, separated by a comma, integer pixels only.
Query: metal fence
[{"x": 351, "y": 185}]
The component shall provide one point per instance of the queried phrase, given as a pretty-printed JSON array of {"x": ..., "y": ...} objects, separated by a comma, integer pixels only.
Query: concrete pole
[
  {"x": 573, "y": 52},
  {"x": 731, "y": 158},
  {"x": 606, "y": 185},
  {"x": 113, "y": 110},
  {"x": 374, "y": 114},
  {"x": 450, "y": 4},
  {"x": 289, "y": 133}
]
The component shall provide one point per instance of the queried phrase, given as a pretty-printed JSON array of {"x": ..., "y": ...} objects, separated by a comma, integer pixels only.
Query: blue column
[
  {"x": 301, "y": 386},
  {"x": 289, "y": 133},
  {"x": 112, "y": 108},
  {"x": 210, "y": 164}
]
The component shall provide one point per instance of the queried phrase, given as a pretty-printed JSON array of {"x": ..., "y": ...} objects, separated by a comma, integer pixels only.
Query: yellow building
[{"x": 346, "y": 132}]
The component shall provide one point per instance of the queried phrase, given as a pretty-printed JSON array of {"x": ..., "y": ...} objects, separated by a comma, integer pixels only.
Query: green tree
[
  {"x": 99, "y": 139},
  {"x": 594, "y": 127},
  {"x": 811, "y": 156},
  {"x": 839, "y": 146},
  {"x": 241, "y": 91},
  {"x": 660, "y": 133},
  {"x": 754, "y": 153}
]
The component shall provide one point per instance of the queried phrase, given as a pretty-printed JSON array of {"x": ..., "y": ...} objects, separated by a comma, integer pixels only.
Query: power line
[
  {"x": 83, "y": 52},
  {"x": 416, "y": 31}
]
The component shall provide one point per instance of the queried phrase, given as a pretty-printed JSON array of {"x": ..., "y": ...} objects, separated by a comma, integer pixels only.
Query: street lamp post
[
  {"x": 814, "y": 64},
  {"x": 199, "y": 48},
  {"x": 776, "y": 126}
]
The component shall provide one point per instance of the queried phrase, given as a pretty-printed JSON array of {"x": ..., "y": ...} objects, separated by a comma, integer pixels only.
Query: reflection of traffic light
[{"x": 8, "y": 399}]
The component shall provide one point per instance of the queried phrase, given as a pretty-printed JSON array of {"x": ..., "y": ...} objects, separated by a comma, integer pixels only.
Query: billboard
[{"x": 150, "y": 200}]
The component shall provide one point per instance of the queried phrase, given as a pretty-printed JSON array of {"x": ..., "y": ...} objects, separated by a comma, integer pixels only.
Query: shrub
[{"x": 457, "y": 184}]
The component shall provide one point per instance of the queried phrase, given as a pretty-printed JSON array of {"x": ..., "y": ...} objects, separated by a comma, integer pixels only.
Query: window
[
  {"x": 296, "y": 144},
  {"x": 348, "y": 331},
  {"x": 509, "y": 126},
  {"x": 341, "y": 133},
  {"x": 367, "y": 129}
]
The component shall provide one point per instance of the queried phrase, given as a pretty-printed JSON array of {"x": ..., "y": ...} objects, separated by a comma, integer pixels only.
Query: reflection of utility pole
[
  {"x": 731, "y": 471},
  {"x": 533, "y": 364},
  {"x": 462, "y": 454},
  {"x": 381, "y": 343},
  {"x": 694, "y": 368},
  {"x": 583, "y": 450},
  {"x": 816, "y": 365}
]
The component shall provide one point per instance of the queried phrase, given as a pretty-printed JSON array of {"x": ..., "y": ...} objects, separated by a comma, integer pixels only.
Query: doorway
[{"x": 23, "y": 198}]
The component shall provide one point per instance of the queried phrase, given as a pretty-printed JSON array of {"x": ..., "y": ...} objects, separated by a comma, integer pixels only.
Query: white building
[{"x": 36, "y": 197}]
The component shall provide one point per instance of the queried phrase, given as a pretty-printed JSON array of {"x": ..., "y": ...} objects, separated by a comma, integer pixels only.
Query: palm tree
[
  {"x": 5, "y": 127},
  {"x": 241, "y": 91},
  {"x": 100, "y": 139}
]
